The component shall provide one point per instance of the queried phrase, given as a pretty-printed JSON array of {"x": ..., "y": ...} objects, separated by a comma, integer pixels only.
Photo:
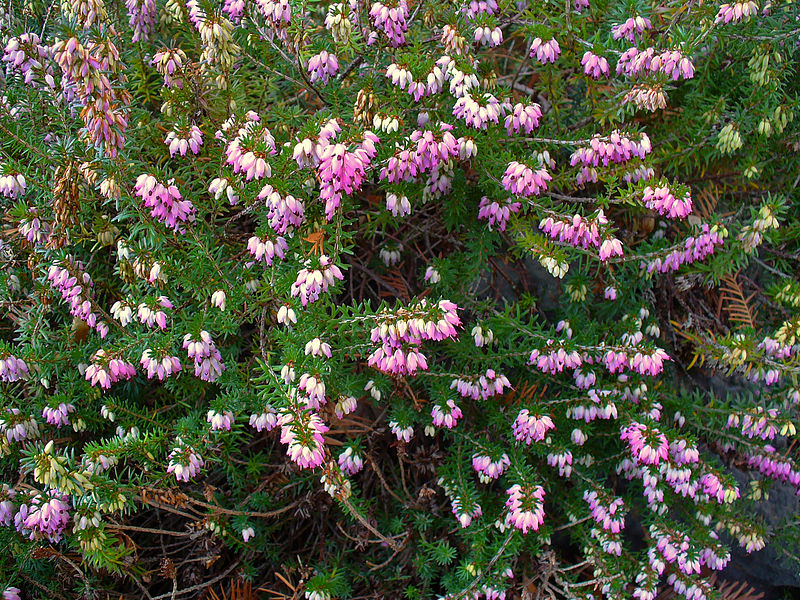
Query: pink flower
[
  {"x": 524, "y": 118},
  {"x": 264, "y": 421},
  {"x": 59, "y": 415},
  {"x": 735, "y": 12},
  {"x": 322, "y": 66},
  {"x": 497, "y": 213},
  {"x": 311, "y": 283},
  {"x": 218, "y": 299},
  {"x": 481, "y": 386},
  {"x": 665, "y": 203},
  {"x": 162, "y": 366},
  {"x": 44, "y": 515},
  {"x": 446, "y": 416},
  {"x": 301, "y": 431},
  {"x": 391, "y": 19},
  {"x": 350, "y": 462},
  {"x": 184, "y": 141},
  {"x": 184, "y": 463},
  {"x": 480, "y": 111},
  {"x": 648, "y": 445},
  {"x": 11, "y": 593},
  {"x": 632, "y": 27},
  {"x": 522, "y": 180},
  {"x": 528, "y": 428},
  {"x": 266, "y": 249},
  {"x": 207, "y": 358},
  {"x": 108, "y": 369},
  {"x": 594, "y": 65},
  {"x": 164, "y": 201},
  {"x": 525, "y": 507},
  {"x": 488, "y": 469},
  {"x": 220, "y": 421},
  {"x": 491, "y": 37},
  {"x": 12, "y": 368},
  {"x": 545, "y": 51},
  {"x": 609, "y": 248}
]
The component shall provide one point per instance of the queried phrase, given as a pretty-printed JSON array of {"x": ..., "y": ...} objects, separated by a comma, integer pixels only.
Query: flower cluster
[
  {"x": 75, "y": 285},
  {"x": 545, "y": 51},
  {"x": 12, "y": 185},
  {"x": 522, "y": 180},
  {"x": 311, "y": 283},
  {"x": 392, "y": 20},
  {"x": 159, "y": 364},
  {"x": 12, "y": 368},
  {"x": 43, "y": 515},
  {"x": 497, "y": 213},
  {"x": 400, "y": 335},
  {"x": 525, "y": 507},
  {"x": 164, "y": 201},
  {"x": 692, "y": 250},
  {"x": 58, "y": 415},
  {"x": 735, "y": 12},
  {"x": 531, "y": 427},
  {"x": 671, "y": 63},
  {"x": 301, "y": 431},
  {"x": 207, "y": 358},
  {"x": 106, "y": 369},
  {"x": 184, "y": 141},
  {"x": 614, "y": 148},
  {"x": 481, "y": 386},
  {"x": 632, "y": 27},
  {"x": 322, "y": 66},
  {"x": 184, "y": 462},
  {"x": 489, "y": 469},
  {"x": 662, "y": 200}
]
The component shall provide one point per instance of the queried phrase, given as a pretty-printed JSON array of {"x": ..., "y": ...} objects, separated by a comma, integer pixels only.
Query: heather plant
[{"x": 413, "y": 300}]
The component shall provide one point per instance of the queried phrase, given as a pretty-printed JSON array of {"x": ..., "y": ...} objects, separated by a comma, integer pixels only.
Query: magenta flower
[
  {"x": 106, "y": 370},
  {"x": 265, "y": 421},
  {"x": 311, "y": 283},
  {"x": 322, "y": 67},
  {"x": 159, "y": 364},
  {"x": 736, "y": 11},
  {"x": 164, "y": 201},
  {"x": 665, "y": 203},
  {"x": 447, "y": 415},
  {"x": 489, "y": 469},
  {"x": 58, "y": 415},
  {"x": 524, "y": 118},
  {"x": 648, "y": 445},
  {"x": 488, "y": 36},
  {"x": 481, "y": 386},
  {"x": 265, "y": 249},
  {"x": 76, "y": 287},
  {"x": 391, "y": 19},
  {"x": 12, "y": 368}
]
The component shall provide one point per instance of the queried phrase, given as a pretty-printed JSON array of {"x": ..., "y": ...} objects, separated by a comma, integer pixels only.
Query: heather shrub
[{"x": 407, "y": 300}]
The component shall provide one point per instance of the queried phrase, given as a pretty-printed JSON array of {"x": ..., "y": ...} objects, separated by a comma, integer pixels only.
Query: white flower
[{"x": 218, "y": 299}]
